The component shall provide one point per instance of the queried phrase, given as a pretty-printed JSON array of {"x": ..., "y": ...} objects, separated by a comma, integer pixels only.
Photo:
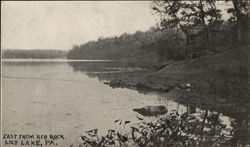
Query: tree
[
  {"x": 186, "y": 15},
  {"x": 240, "y": 12}
]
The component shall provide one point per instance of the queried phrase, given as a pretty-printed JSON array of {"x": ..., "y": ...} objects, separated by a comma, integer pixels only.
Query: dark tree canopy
[{"x": 201, "y": 15}]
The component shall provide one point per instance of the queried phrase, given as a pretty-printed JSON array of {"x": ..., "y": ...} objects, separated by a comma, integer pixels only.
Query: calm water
[{"x": 45, "y": 97}]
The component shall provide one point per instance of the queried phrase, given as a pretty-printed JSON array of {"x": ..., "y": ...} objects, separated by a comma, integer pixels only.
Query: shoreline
[{"x": 211, "y": 88}]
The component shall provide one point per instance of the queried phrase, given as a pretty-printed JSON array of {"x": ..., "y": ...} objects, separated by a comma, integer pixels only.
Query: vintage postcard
[{"x": 169, "y": 73}]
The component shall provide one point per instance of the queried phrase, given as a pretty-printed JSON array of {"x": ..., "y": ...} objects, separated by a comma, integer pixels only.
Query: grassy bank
[{"x": 218, "y": 82}]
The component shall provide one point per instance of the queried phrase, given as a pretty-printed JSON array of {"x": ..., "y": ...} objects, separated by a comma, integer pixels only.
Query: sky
[{"x": 61, "y": 24}]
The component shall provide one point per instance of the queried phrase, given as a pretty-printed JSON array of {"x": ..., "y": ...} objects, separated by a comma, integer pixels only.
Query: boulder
[{"x": 151, "y": 110}]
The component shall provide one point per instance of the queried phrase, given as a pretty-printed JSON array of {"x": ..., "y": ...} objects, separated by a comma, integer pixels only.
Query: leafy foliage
[
  {"x": 188, "y": 16},
  {"x": 188, "y": 129},
  {"x": 138, "y": 46}
]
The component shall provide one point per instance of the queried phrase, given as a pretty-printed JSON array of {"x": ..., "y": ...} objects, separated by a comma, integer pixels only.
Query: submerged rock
[{"x": 151, "y": 110}]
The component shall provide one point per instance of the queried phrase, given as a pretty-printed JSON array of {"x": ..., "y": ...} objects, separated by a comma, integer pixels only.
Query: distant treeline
[
  {"x": 149, "y": 45},
  {"x": 152, "y": 45},
  {"x": 37, "y": 54}
]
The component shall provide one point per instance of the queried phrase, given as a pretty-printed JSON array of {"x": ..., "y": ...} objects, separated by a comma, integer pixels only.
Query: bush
[{"x": 188, "y": 129}]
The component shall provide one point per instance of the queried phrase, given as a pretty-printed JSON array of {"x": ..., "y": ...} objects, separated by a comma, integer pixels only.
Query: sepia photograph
[{"x": 161, "y": 73}]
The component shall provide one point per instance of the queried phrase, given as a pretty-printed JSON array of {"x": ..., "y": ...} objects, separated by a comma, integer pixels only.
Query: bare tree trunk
[
  {"x": 204, "y": 25},
  {"x": 241, "y": 29}
]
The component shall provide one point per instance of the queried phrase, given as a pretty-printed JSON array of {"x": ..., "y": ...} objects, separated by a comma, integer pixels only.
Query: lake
[{"x": 54, "y": 97}]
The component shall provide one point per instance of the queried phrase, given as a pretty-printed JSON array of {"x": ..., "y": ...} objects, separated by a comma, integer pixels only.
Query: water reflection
[
  {"x": 111, "y": 66},
  {"x": 237, "y": 129},
  {"x": 54, "y": 98}
]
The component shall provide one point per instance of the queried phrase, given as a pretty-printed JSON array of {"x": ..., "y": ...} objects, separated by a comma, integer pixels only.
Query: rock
[
  {"x": 106, "y": 82},
  {"x": 188, "y": 85},
  {"x": 151, "y": 110},
  {"x": 185, "y": 86}
]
